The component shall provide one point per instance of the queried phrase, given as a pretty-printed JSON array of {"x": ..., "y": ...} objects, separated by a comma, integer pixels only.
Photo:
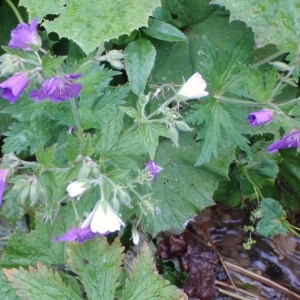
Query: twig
[
  {"x": 228, "y": 286},
  {"x": 262, "y": 280},
  {"x": 233, "y": 295}
]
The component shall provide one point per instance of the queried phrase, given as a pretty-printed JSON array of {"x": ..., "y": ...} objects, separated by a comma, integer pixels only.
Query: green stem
[
  {"x": 158, "y": 111},
  {"x": 15, "y": 10},
  {"x": 289, "y": 102},
  {"x": 75, "y": 210},
  {"x": 236, "y": 101},
  {"x": 267, "y": 59},
  {"x": 278, "y": 85},
  {"x": 77, "y": 122},
  {"x": 292, "y": 228},
  {"x": 255, "y": 187}
]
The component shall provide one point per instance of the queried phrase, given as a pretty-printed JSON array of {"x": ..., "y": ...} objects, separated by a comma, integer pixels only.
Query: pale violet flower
[
  {"x": 12, "y": 88},
  {"x": 76, "y": 234},
  {"x": 259, "y": 117},
  {"x": 57, "y": 89},
  {"x": 3, "y": 174},
  {"x": 25, "y": 36},
  {"x": 153, "y": 169},
  {"x": 291, "y": 140},
  {"x": 78, "y": 187},
  {"x": 103, "y": 219},
  {"x": 194, "y": 88}
]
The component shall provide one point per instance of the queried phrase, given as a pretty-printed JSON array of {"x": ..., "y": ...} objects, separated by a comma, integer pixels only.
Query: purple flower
[
  {"x": 260, "y": 117},
  {"x": 291, "y": 140},
  {"x": 153, "y": 169},
  {"x": 57, "y": 89},
  {"x": 12, "y": 87},
  {"x": 25, "y": 36},
  {"x": 3, "y": 174},
  {"x": 77, "y": 234}
]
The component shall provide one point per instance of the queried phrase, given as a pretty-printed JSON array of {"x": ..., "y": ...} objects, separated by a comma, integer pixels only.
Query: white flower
[
  {"x": 78, "y": 187},
  {"x": 193, "y": 88},
  {"x": 135, "y": 236},
  {"x": 103, "y": 219}
]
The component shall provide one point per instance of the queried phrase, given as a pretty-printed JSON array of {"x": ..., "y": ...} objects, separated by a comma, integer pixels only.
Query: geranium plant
[{"x": 121, "y": 121}]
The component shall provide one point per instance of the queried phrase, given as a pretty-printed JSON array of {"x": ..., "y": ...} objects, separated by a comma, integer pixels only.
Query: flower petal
[
  {"x": 14, "y": 86},
  {"x": 291, "y": 140},
  {"x": 260, "y": 117},
  {"x": 193, "y": 88},
  {"x": 25, "y": 36}
]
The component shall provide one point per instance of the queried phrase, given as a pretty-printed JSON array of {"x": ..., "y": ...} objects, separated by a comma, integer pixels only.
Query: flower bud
[
  {"x": 78, "y": 187},
  {"x": 115, "y": 54},
  {"x": 34, "y": 192},
  {"x": 124, "y": 197},
  {"x": 135, "y": 235},
  {"x": 116, "y": 64},
  {"x": 181, "y": 125},
  {"x": 260, "y": 117}
]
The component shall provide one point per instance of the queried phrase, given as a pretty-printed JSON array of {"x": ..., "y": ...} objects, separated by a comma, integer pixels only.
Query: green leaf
[
  {"x": 139, "y": 61},
  {"x": 235, "y": 44},
  {"x": 155, "y": 287},
  {"x": 6, "y": 291},
  {"x": 164, "y": 31},
  {"x": 50, "y": 64},
  {"x": 257, "y": 85},
  {"x": 181, "y": 189},
  {"x": 46, "y": 157},
  {"x": 40, "y": 283},
  {"x": 111, "y": 126},
  {"x": 273, "y": 22},
  {"x": 94, "y": 78},
  {"x": 97, "y": 265},
  {"x": 97, "y": 21},
  {"x": 29, "y": 248},
  {"x": 217, "y": 127},
  {"x": 151, "y": 134},
  {"x": 130, "y": 111},
  {"x": 272, "y": 221}
]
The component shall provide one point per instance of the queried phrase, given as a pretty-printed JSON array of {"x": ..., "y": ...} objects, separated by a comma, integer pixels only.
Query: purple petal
[
  {"x": 3, "y": 174},
  {"x": 72, "y": 76},
  {"x": 260, "y": 117},
  {"x": 37, "y": 95},
  {"x": 291, "y": 140},
  {"x": 24, "y": 35},
  {"x": 58, "y": 89},
  {"x": 14, "y": 86},
  {"x": 77, "y": 234},
  {"x": 153, "y": 169}
]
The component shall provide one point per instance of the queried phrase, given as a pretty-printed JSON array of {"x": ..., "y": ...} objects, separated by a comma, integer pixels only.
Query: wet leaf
[{"x": 197, "y": 258}]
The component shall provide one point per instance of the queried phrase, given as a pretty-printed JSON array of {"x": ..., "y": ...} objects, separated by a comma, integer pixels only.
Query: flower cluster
[
  {"x": 101, "y": 221},
  {"x": 265, "y": 116},
  {"x": 56, "y": 89}
]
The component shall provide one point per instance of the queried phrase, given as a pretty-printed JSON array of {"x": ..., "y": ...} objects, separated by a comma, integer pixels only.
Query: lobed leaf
[
  {"x": 40, "y": 283},
  {"x": 97, "y": 265},
  {"x": 97, "y": 21},
  {"x": 154, "y": 287},
  {"x": 182, "y": 190},
  {"x": 273, "y": 22}
]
